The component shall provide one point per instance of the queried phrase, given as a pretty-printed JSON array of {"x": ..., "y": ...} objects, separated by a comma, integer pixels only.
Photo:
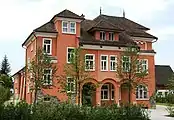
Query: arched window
[{"x": 141, "y": 92}]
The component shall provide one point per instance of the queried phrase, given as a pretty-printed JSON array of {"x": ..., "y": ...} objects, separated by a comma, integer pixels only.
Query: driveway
[{"x": 159, "y": 113}]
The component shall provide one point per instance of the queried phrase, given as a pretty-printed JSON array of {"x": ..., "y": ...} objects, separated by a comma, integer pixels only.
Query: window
[
  {"x": 104, "y": 62},
  {"x": 47, "y": 46},
  {"x": 142, "y": 65},
  {"x": 70, "y": 53},
  {"x": 65, "y": 27},
  {"x": 111, "y": 36},
  {"x": 72, "y": 27},
  {"x": 112, "y": 92},
  {"x": 113, "y": 61},
  {"x": 102, "y": 35},
  {"x": 70, "y": 85},
  {"x": 89, "y": 61},
  {"x": 105, "y": 92},
  {"x": 47, "y": 77},
  {"x": 68, "y": 27},
  {"x": 141, "y": 92},
  {"x": 126, "y": 63}
]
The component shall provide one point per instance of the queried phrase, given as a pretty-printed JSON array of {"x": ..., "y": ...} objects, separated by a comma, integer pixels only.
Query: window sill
[
  {"x": 104, "y": 70},
  {"x": 104, "y": 99},
  {"x": 89, "y": 70},
  {"x": 69, "y": 33},
  {"x": 68, "y": 92},
  {"x": 146, "y": 99},
  {"x": 113, "y": 70}
]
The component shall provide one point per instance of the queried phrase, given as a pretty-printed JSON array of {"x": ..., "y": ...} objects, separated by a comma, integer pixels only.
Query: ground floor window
[
  {"x": 141, "y": 92},
  {"x": 112, "y": 92},
  {"x": 105, "y": 92}
]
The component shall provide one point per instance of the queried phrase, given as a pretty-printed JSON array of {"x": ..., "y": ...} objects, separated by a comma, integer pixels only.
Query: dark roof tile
[{"x": 162, "y": 74}]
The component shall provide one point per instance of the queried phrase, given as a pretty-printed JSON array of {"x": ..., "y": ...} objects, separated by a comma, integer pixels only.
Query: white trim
[
  {"x": 151, "y": 54},
  {"x": 52, "y": 35},
  {"x": 67, "y": 19},
  {"x": 104, "y": 61},
  {"x": 103, "y": 32},
  {"x": 142, "y": 92},
  {"x": 74, "y": 27},
  {"x": 68, "y": 27},
  {"x": 63, "y": 27},
  {"x": 105, "y": 90},
  {"x": 112, "y": 60},
  {"x": 73, "y": 83},
  {"x": 147, "y": 65},
  {"x": 143, "y": 39},
  {"x": 67, "y": 53},
  {"x": 50, "y": 44},
  {"x": 93, "y": 62},
  {"x": 51, "y": 80},
  {"x": 113, "y": 36}
]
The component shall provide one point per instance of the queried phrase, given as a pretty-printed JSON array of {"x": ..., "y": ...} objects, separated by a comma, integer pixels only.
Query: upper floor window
[
  {"x": 47, "y": 45},
  {"x": 126, "y": 63},
  {"x": 104, "y": 62},
  {"x": 68, "y": 27},
  {"x": 102, "y": 35},
  {"x": 47, "y": 77},
  {"x": 111, "y": 36},
  {"x": 113, "y": 61},
  {"x": 142, "y": 65},
  {"x": 89, "y": 61},
  {"x": 141, "y": 92},
  {"x": 70, "y": 54},
  {"x": 70, "y": 84}
]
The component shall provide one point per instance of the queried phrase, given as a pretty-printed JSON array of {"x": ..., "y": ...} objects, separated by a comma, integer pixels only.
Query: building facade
[{"x": 104, "y": 39}]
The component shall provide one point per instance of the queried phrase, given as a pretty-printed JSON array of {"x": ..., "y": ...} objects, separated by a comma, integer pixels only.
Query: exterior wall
[
  {"x": 97, "y": 36},
  {"x": 59, "y": 51}
]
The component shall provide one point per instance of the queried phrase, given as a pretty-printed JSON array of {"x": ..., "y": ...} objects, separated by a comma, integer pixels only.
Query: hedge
[{"x": 54, "y": 111}]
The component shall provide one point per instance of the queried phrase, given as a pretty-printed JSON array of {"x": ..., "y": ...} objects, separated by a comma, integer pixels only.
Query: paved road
[{"x": 160, "y": 113}]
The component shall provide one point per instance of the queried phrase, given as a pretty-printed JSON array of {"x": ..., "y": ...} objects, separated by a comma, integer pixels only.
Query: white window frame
[
  {"x": 65, "y": 27},
  {"x": 68, "y": 27},
  {"x": 71, "y": 28},
  {"x": 50, "y": 45},
  {"x": 144, "y": 64},
  {"x": 67, "y": 54},
  {"x": 101, "y": 61},
  {"x": 74, "y": 85},
  {"x": 111, "y": 62},
  {"x": 112, "y": 90},
  {"x": 128, "y": 66},
  {"x": 111, "y": 36},
  {"x": 93, "y": 62},
  {"x": 51, "y": 81},
  {"x": 141, "y": 65},
  {"x": 143, "y": 90},
  {"x": 102, "y": 92},
  {"x": 102, "y": 35}
]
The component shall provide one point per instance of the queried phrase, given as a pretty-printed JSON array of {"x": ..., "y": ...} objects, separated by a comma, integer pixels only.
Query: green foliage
[
  {"x": 53, "y": 111},
  {"x": 169, "y": 98},
  {"x": 6, "y": 81},
  {"x": 5, "y": 66},
  {"x": 36, "y": 68},
  {"x": 170, "y": 110},
  {"x": 4, "y": 94}
]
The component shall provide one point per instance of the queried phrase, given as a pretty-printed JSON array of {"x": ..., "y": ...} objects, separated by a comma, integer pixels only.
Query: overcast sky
[{"x": 20, "y": 17}]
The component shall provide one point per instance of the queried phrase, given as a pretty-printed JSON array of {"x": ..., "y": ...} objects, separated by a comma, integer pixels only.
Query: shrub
[
  {"x": 54, "y": 111},
  {"x": 170, "y": 110}
]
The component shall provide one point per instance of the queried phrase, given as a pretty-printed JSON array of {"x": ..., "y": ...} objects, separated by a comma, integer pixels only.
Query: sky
[{"x": 18, "y": 18}]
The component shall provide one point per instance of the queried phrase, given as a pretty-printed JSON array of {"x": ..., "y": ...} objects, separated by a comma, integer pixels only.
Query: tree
[
  {"x": 5, "y": 66},
  {"x": 6, "y": 81},
  {"x": 75, "y": 70},
  {"x": 4, "y": 93},
  {"x": 41, "y": 72},
  {"x": 130, "y": 70}
]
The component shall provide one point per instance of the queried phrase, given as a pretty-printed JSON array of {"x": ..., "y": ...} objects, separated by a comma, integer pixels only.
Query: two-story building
[{"x": 104, "y": 38}]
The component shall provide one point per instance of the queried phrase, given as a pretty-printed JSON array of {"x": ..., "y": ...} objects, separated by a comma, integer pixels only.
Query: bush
[
  {"x": 54, "y": 111},
  {"x": 170, "y": 110}
]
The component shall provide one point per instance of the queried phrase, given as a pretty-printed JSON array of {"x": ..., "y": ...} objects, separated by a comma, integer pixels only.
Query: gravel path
[{"x": 160, "y": 113}]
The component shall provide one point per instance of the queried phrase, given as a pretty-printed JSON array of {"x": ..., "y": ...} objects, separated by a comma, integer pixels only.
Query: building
[
  {"x": 104, "y": 38},
  {"x": 163, "y": 74}
]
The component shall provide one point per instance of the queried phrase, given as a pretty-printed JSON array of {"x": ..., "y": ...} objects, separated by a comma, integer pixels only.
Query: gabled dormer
[
  {"x": 103, "y": 30},
  {"x": 67, "y": 22}
]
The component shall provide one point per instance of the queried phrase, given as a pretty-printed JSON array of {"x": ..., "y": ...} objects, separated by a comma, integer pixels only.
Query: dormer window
[
  {"x": 111, "y": 36},
  {"x": 68, "y": 27},
  {"x": 102, "y": 35}
]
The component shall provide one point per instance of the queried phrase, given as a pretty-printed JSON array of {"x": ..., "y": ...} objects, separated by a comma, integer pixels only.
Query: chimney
[{"x": 82, "y": 15}]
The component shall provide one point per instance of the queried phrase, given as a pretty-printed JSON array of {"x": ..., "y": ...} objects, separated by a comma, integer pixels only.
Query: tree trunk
[{"x": 79, "y": 93}]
